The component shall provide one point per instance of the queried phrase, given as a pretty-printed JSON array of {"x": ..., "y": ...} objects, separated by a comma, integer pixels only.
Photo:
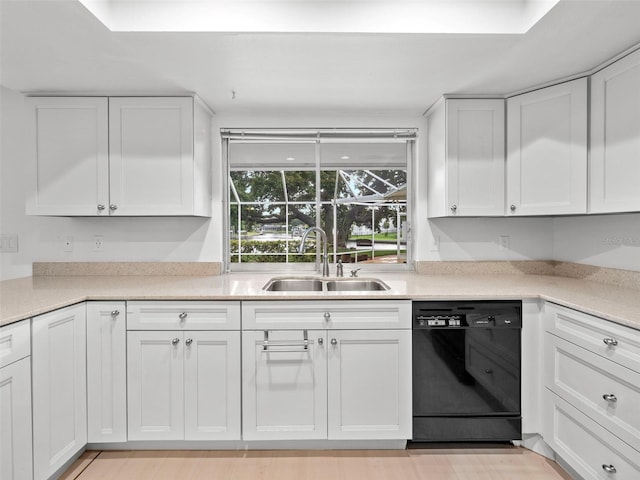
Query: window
[{"x": 351, "y": 184}]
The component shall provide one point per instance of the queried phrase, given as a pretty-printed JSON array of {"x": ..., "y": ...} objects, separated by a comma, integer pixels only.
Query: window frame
[{"x": 408, "y": 136}]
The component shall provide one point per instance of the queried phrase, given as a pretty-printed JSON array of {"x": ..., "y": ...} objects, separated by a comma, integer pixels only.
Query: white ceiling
[{"x": 59, "y": 46}]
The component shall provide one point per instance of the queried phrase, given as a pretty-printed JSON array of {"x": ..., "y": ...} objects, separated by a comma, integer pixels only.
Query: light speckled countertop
[{"x": 26, "y": 297}]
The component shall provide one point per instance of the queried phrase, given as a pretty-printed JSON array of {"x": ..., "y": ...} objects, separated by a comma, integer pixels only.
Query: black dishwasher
[{"x": 466, "y": 371}]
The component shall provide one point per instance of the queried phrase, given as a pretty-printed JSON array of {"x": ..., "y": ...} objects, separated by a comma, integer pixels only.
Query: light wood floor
[{"x": 413, "y": 464}]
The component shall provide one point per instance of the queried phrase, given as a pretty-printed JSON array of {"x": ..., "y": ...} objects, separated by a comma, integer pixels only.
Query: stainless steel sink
[
  {"x": 316, "y": 284},
  {"x": 295, "y": 284},
  {"x": 355, "y": 285}
]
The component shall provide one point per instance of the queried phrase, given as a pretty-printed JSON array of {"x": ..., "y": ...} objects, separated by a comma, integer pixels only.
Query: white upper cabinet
[
  {"x": 69, "y": 171},
  {"x": 466, "y": 158},
  {"x": 547, "y": 150},
  {"x": 145, "y": 156},
  {"x": 614, "y": 180}
]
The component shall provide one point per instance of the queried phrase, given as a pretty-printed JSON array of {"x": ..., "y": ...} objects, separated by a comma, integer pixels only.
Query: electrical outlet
[
  {"x": 504, "y": 242},
  {"x": 98, "y": 243},
  {"x": 67, "y": 244},
  {"x": 9, "y": 243}
]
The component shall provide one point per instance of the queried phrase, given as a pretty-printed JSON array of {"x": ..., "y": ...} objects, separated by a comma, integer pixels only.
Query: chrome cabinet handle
[
  {"x": 610, "y": 342},
  {"x": 454, "y": 208},
  {"x": 609, "y": 468},
  {"x": 113, "y": 207},
  {"x": 334, "y": 342},
  {"x": 182, "y": 316},
  {"x": 512, "y": 208},
  {"x": 610, "y": 397},
  {"x": 175, "y": 341},
  {"x": 320, "y": 341},
  {"x": 188, "y": 342},
  {"x": 327, "y": 316},
  {"x": 115, "y": 313},
  {"x": 100, "y": 207}
]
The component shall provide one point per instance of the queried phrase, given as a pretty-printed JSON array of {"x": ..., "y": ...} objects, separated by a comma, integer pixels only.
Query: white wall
[
  {"x": 603, "y": 240},
  {"x": 578, "y": 239}
]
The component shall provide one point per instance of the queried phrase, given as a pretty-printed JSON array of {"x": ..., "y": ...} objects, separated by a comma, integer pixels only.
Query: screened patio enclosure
[{"x": 354, "y": 190}]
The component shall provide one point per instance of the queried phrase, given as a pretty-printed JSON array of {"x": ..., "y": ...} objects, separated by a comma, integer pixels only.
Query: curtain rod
[{"x": 313, "y": 135}]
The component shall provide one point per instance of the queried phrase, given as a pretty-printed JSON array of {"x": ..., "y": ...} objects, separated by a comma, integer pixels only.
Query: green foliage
[{"x": 257, "y": 251}]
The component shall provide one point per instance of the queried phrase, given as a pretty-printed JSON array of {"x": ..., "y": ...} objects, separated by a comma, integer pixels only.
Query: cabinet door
[
  {"x": 475, "y": 157},
  {"x": 369, "y": 386},
  {"x": 547, "y": 150},
  {"x": 285, "y": 387},
  {"x": 69, "y": 167},
  {"x": 212, "y": 385},
  {"x": 15, "y": 421},
  {"x": 106, "y": 372},
  {"x": 59, "y": 388},
  {"x": 155, "y": 386},
  {"x": 151, "y": 156},
  {"x": 615, "y": 137}
]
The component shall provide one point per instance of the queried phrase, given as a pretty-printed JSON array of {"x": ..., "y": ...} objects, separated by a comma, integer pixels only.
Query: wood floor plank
[{"x": 414, "y": 464}]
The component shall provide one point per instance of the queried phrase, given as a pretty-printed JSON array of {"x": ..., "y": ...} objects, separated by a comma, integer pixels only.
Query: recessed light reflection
[{"x": 290, "y": 159}]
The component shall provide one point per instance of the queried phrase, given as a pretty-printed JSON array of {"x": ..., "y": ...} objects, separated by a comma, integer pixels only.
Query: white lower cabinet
[
  {"x": 15, "y": 402},
  {"x": 106, "y": 372},
  {"x": 285, "y": 385},
  {"x": 183, "y": 385},
  {"x": 592, "y": 394},
  {"x": 369, "y": 384},
  {"x": 326, "y": 383},
  {"x": 59, "y": 388},
  {"x": 590, "y": 449}
]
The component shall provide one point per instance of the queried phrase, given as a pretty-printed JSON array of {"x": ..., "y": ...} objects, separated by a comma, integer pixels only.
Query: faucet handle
[{"x": 354, "y": 273}]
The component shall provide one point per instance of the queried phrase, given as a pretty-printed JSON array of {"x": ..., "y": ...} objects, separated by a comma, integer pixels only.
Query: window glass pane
[
  {"x": 272, "y": 156},
  {"x": 363, "y": 196},
  {"x": 301, "y": 185},
  {"x": 258, "y": 186}
]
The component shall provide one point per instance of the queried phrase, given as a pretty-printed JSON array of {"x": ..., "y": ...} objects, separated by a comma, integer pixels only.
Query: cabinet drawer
[
  {"x": 587, "y": 446},
  {"x": 15, "y": 342},
  {"x": 343, "y": 314},
  {"x": 607, "y": 339},
  {"x": 583, "y": 378},
  {"x": 181, "y": 315}
]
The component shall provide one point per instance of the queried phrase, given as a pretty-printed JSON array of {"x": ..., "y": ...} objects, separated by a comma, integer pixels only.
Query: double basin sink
[{"x": 318, "y": 284}]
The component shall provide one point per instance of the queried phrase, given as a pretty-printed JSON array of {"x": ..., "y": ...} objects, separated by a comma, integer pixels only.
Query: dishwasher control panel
[
  {"x": 467, "y": 314},
  {"x": 440, "y": 320}
]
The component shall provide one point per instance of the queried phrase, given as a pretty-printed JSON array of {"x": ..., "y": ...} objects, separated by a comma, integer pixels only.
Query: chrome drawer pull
[
  {"x": 175, "y": 341},
  {"x": 188, "y": 342},
  {"x": 327, "y": 316},
  {"x": 609, "y": 468},
  {"x": 115, "y": 313},
  {"x": 266, "y": 343},
  {"x": 610, "y": 342},
  {"x": 182, "y": 316},
  {"x": 610, "y": 397}
]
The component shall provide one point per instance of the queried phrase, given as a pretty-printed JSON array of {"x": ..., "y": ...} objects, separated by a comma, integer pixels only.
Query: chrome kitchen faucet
[{"x": 323, "y": 240}]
